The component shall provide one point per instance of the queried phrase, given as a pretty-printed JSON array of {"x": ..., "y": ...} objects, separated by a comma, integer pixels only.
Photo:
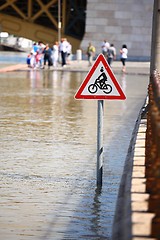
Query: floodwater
[{"x": 48, "y": 155}]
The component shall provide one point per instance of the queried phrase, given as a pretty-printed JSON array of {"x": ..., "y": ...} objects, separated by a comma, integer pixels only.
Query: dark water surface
[{"x": 48, "y": 155}]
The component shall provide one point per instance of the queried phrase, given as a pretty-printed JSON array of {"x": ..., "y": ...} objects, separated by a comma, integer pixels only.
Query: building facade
[{"x": 120, "y": 22}]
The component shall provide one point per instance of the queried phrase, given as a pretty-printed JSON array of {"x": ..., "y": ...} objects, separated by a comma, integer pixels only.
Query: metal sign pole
[
  {"x": 89, "y": 89},
  {"x": 100, "y": 143}
]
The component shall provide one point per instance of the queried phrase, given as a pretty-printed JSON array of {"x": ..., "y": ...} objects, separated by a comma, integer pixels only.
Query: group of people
[
  {"x": 42, "y": 54},
  {"x": 109, "y": 52}
]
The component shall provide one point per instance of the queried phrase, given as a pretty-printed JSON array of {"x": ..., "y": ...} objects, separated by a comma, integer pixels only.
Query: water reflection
[
  {"x": 96, "y": 213},
  {"x": 48, "y": 155},
  {"x": 124, "y": 88}
]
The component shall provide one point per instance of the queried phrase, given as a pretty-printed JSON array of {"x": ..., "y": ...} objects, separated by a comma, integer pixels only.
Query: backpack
[{"x": 110, "y": 53}]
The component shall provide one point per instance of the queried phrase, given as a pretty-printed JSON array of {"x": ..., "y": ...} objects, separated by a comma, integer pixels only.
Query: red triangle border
[{"x": 99, "y": 59}]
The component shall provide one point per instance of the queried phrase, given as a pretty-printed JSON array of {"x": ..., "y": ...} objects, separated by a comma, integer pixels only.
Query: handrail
[{"x": 152, "y": 156}]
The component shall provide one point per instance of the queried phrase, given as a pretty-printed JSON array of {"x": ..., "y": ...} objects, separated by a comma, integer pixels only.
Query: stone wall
[{"x": 120, "y": 22}]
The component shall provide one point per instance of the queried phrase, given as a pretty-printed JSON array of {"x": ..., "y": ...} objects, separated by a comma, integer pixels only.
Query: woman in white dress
[
  {"x": 124, "y": 55},
  {"x": 55, "y": 54}
]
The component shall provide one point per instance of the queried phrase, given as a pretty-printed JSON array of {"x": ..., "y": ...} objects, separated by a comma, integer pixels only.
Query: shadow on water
[
  {"x": 63, "y": 131},
  {"x": 77, "y": 230},
  {"x": 96, "y": 213}
]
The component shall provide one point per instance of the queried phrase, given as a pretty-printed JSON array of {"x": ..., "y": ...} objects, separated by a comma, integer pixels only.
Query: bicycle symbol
[{"x": 100, "y": 83}]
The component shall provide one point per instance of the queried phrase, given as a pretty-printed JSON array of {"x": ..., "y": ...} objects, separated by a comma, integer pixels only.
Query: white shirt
[
  {"x": 105, "y": 46},
  {"x": 69, "y": 48},
  {"x": 124, "y": 53},
  {"x": 55, "y": 51},
  {"x": 64, "y": 46}
]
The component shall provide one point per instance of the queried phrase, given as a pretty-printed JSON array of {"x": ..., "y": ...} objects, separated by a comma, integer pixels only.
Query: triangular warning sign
[{"x": 100, "y": 83}]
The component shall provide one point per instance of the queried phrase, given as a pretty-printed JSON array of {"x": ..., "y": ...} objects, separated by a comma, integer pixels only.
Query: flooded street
[{"x": 48, "y": 155}]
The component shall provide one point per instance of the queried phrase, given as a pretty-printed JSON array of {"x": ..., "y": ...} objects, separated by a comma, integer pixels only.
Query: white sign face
[{"x": 100, "y": 83}]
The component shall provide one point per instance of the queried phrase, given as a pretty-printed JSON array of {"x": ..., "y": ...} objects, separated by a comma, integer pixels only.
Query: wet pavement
[{"x": 48, "y": 155}]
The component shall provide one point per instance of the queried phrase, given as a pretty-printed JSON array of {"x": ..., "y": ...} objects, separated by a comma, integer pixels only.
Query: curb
[
  {"x": 124, "y": 225},
  {"x": 133, "y": 68}
]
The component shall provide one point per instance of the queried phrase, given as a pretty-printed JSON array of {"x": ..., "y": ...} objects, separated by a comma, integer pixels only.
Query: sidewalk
[{"x": 132, "y": 67}]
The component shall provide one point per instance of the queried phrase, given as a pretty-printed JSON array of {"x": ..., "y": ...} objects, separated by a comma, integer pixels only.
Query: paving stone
[
  {"x": 141, "y": 218},
  {"x": 141, "y": 223},
  {"x": 136, "y": 206},
  {"x": 138, "y": 171},
  {"x": 139, "y": 197}
]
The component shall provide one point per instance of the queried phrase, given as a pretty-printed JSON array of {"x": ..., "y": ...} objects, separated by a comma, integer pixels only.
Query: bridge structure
[
  {"x": 81, "y": 21},
  {"x": 44, "y": 20}
]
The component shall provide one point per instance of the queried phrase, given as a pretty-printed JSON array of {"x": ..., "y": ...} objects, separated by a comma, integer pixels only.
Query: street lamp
[
  {"x": 0, "y": 35},
  {"x": 59, "y": 21}
]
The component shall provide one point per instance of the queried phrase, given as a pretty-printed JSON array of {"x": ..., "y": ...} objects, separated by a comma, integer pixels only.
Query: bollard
[{"x": 79, "y": 55}]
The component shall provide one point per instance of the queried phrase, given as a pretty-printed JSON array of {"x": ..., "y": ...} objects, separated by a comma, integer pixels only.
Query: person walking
[
  {"x": 31, "y": 60},
  {"x": 64, "y": 49},
  {"x": 35, "y": 48},
  {"x": 111, "y": 54},
  {"x": 38, "y": 59},
  {"x": 41, "y": 50},
  {"x": 124, "y": 56},
  {"x": 69, "y": 52},
  {"x": 90, "y": 53},
  {"x": 105, "y": 45},
  {"x": 47, "y": 56},
  {"x": 55, "y": 54}
]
